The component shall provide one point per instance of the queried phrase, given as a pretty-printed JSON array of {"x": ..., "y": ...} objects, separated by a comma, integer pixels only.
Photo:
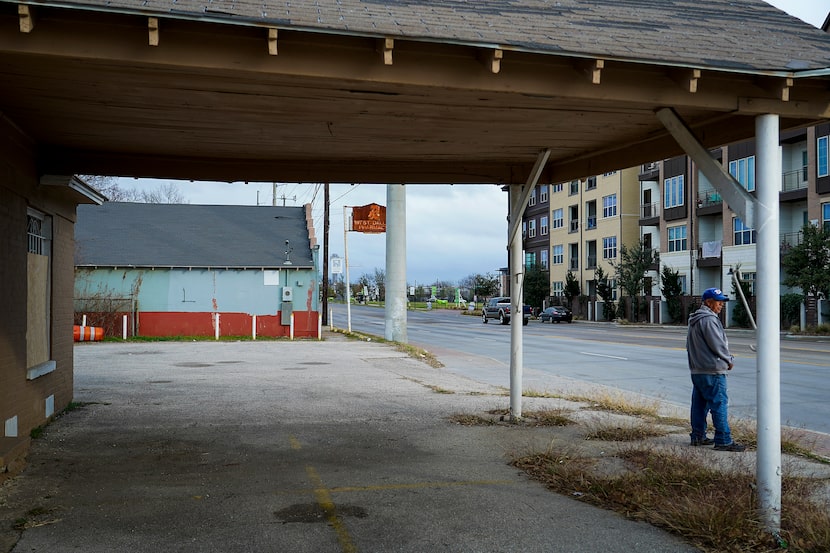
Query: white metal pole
[
  {"x": 768, "y": 178},
  {"x": 83, "y": 320},
  {"x": 516, "y": 309},
  {"x": 331, "y": 322},
  {"x": 253, "y": 327},
  {"x": 124, "y": 327},
  {"x": 291, "y": 327},
  {"x": 216, "y": 329},
  {"x": 346, "y": 261},
  {"x": 395, "y": 305},
  {"x": 319, "y": 328}
]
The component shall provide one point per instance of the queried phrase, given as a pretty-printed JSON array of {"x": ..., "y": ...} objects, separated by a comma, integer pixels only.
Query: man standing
[{"x": 709, "y": 361}]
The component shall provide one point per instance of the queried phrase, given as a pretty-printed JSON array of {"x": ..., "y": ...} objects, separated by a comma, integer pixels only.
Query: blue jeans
[{"x": 709, "y": 395}]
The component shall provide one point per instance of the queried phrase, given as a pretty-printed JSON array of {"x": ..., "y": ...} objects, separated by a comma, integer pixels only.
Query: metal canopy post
[
  {"x": 519, "y": 195},
  {"x": 768, "y": 179}
]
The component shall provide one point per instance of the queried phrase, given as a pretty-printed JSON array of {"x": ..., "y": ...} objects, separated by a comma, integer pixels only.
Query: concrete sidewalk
[{"x": 333, "y": 446}]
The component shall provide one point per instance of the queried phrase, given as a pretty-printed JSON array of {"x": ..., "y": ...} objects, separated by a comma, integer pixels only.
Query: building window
[
  {"x": 558, "y": 219},
  {"x": 744, "y": 172},
  {"x": 524, "y": 230},
  {"x": 749, "y": 278},
  {"x": 531, "y": 230},
  {"x": 683, "y": 288},
  {"x": 609, "y": 247},
  {"x": 822, "y": 155},
  {"x": 677, "y": 238},
  {"x": 573, "y": 257},
  {"x": 609, "y": 206},
  {"x": 558, "y": 187},
  {"x": 36, "y": 238},
  {"x": 590, "y": 183},
  {"x": 557, "y": 288},
  {"x": 591, "y": 214},
  {"x": 38, "y": 269},
  {"x": 544, "y": 259},
  {"x": 574, "y": 188},
  {"x": 573, "y": 218},
  {"x": 558, "y": 257},
  {"x": 743, "y": 234},
  {"x": 543, "y": 193},
  {"x": 532, "y": 200},
  {"x": 674, "y": 191},
  {"x": 825, "y": 216},
  {"x": 530, "y": 259},
  {"x": 543, "y": 226}
]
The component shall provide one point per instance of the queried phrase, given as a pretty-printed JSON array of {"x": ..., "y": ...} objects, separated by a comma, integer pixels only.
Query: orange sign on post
[{"x": 369, "y": 218}]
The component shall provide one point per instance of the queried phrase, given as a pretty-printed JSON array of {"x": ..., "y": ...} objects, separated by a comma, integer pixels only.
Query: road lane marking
[{"x": 602, "y": 355}]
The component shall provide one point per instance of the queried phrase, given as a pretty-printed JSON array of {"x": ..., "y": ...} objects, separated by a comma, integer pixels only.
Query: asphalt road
[{"x": 647, "y": 360}]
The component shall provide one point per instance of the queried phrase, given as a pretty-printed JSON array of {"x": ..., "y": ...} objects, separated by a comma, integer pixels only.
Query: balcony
[
  {"x": 793, "y": 185},
  {"x": 591, "y": 262},
  {"x": 710, "y": 254},
  {"x": 649, "y": 215},
  {"x": 794, "y": 180},
  {"x": 649, "y": 171},
  {"x": 709, "y": 202},
  {"x": 655, "y": 254},
  {"x": 790, "y": 239},
  {"x": 574, "y": 226},
  {"x": 573, "y": 264},
  {"x": 592, "y": 222}
]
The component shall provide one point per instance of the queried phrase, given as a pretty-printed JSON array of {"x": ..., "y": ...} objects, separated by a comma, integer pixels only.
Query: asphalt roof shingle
[
  {"x": 183, "y": 235},
  {"x": 739, "y": 34}
]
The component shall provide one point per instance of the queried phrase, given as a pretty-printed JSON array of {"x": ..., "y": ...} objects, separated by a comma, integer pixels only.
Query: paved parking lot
[{"x": 333, "y": 446}]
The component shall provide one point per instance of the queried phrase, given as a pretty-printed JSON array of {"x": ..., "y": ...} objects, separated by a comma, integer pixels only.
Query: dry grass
[
  {"x": 542, "y": 417},
  {"x": 628, "y": 431},
  {"x": 618, "y": 402},
  {"x": 530, "y": 392},
  {"x": 472, "y": 420},
  {"x": 714, "y": 509},
  {"x": 711, "y": 505}
]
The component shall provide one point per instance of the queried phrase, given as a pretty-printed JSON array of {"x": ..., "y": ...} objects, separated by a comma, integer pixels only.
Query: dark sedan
[{"x": 556, "y": 314}]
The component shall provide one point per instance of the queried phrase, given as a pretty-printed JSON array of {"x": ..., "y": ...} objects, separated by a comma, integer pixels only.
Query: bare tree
[{"x": 108, "y": 186}]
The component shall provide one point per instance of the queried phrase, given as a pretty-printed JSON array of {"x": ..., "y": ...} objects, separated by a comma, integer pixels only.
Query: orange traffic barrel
[{"x": 87, "y": 333}]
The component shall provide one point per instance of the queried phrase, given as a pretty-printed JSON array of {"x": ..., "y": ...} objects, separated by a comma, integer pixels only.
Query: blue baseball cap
[{"x": 714, "y": 294}]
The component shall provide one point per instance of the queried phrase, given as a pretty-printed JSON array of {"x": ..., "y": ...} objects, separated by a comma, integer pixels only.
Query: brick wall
[{"x": 19, "y": 397}]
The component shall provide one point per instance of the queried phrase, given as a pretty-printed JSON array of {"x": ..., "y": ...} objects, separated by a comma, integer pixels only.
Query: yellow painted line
[
  {"x": 420, "y": 485},
  {"x": 295, "y": 443},
  {"x": 324, "y": 500}
]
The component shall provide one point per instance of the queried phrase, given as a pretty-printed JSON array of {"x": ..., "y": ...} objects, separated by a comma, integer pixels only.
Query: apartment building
[
  {"x": 580, "y": 225},
  {"x": 683, "y": 216}
]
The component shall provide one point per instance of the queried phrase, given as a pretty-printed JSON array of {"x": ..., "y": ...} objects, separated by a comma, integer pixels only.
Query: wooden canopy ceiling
[{"x": 98, "y": 92}]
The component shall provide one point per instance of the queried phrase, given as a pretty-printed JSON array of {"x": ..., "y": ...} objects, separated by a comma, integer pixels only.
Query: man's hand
[{"x": 729, "y": 368}]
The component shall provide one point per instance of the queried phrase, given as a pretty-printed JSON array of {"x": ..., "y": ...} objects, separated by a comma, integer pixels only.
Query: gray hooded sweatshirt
[{"x": 706, "y": 344}]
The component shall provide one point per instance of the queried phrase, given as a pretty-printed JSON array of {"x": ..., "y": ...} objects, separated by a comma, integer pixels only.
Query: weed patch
[
  {"x": 714, "y": 509},
  {"x": 619, "y": 403},
  {"x": 623, "y": 432}
]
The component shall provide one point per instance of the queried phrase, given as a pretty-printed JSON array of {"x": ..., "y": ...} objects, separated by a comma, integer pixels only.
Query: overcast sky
[{"x": 452, "y": 231}]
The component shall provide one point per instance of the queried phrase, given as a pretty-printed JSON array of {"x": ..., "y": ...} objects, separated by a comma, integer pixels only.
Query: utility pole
[
  {"x": 283, "y": 197},
  {"x": 326, "y": 254}
]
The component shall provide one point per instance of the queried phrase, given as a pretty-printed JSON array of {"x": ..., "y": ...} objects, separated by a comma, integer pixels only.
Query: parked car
[
  {"x": 556, "y": 314},
  {"x": 499, "y": 308}
]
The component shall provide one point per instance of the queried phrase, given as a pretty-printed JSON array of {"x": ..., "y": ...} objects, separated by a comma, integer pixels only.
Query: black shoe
[
  {"x": 734, "y": 446},
  {"x": 703, "y": 441}
]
